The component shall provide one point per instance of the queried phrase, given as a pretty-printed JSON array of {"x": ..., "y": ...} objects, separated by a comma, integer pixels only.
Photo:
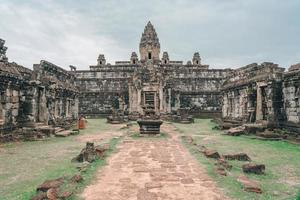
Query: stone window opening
[
  {"x": 197, "y": 62},
  {"x": 134, "y": 62},
  {"x": 165, "y": 61},
  {"x": 149, "y": 55}
]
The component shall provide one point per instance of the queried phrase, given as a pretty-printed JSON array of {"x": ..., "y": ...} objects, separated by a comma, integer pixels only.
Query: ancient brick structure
[
  {"x": 51, "y": 96},
  {"x": 35, "y": 98},
  {"x": 263, "y": 94},
  {"x": 254, "y": 94},
  {"x": 150, "y": 81},
  {"x": 291, "y": 97}
]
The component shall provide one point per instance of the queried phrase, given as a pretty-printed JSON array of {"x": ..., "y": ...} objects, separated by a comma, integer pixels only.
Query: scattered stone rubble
[
  {"x": 238, "y": 156},
  {"x": 64, "y": 187},
  {"x": 254, "y": 168},
  {"x": 262, "y": 95},
  {"x": 90, "y": 153},
  {"x": 222, "y": 167},
  {"x": 249, "y": 185},
  {"x": 56, "y": 189}
]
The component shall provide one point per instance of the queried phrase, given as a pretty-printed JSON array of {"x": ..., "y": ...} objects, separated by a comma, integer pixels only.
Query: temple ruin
[{"x": 49, "y": 96}]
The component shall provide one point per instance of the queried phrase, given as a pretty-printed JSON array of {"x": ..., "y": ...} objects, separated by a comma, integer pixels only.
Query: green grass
[
  {"x": 282, "y": 179},
  {"x": 25, "y": 165}
]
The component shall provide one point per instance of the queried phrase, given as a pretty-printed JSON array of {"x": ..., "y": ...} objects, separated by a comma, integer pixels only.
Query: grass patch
[
  {"x": 25, "y": 165},
  {"x": 282, "y": 179}
]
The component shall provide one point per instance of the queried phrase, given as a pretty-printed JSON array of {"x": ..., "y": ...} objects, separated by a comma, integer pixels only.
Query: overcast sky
[{"x": 227, "y": 33}]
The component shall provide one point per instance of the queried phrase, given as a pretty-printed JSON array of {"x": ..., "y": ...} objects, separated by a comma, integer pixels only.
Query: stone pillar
[
  {"x": 177, "y": 102},
  {"x": 259, "y": 114},
  {"x": 155, "y": 103},
  {"x": 161, "y": 99},
  {"x": 139, "y": 103},
  {"x": 170, "y": 99},
  {"x": 67, "y": 107},
  {"x": 225, "y": 106},
  {"x": 76, "y": 107}
]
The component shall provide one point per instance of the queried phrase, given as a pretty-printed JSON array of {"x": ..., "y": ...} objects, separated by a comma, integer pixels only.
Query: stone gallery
[{"x": 47, "y": 97}]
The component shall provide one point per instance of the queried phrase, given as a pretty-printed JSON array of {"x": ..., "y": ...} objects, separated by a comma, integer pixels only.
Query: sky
[{"x": 226, "y": 33}]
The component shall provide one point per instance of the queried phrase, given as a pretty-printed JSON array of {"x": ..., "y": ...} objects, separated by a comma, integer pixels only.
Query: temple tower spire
[{"x": 149, "y": 45}]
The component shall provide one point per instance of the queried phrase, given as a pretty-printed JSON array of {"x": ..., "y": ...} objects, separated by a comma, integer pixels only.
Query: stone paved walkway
[{"x": 152, "y": 169}]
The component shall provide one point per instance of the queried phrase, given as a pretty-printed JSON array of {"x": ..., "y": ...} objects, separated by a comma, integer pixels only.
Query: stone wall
[
  {"x": 291, "y": 94},
  {"x": 106, "y": 86},
  {"x": 102, "y": 88},
  {"x": 31, "y": 98},
  {"x": 254, "y": 94}
]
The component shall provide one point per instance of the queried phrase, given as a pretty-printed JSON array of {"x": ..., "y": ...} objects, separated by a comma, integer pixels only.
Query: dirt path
[{"x": 152, "y": 169}]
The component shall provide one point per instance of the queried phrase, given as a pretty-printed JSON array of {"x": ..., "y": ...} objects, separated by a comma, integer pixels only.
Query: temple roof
[{"x": 149, "y": 37}]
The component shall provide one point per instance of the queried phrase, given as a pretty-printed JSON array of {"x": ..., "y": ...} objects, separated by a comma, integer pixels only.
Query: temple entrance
[{"x": 150, "y": 100}]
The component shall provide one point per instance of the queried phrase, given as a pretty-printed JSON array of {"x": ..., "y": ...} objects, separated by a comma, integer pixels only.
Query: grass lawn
[
  {"x": 24, "y": 165},
  {"x": 282, "y": 160}
]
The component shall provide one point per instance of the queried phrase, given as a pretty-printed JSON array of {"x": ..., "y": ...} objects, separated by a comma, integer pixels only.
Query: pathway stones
[{"x": 154, "y": 169}]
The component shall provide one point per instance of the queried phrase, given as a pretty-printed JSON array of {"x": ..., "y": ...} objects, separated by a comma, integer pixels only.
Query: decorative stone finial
[
  {"x": 101, "y": 59},
  {"x": 196, "y": 59},
  {"x": 165, "y": 58},
  {"x": 3, "y": 50},
  {"x": 149, "y": 45},
  {"x": 134, "y": 58}
]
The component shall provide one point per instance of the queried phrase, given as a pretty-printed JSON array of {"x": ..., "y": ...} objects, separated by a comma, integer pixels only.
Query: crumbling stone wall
[
  {"x": 29, "y": 98},
  {"x": 291, "y": 94},
  {"x": 254, "y": 94},
  {"x": 103, "y": 88}
]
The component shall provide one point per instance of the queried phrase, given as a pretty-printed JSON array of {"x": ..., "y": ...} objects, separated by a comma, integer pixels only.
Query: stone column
[
  {"x": 139, "y": 108},
  {"x": 258, "y": 104},
  {"x": 155, "y": 103},
  {"x": 161, "y": 99},
  {"x": 169, "y": 102},
  {"x": 177, "y": 103}
]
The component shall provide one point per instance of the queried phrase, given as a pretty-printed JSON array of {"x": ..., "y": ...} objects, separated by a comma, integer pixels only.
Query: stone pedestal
[{"x": 149, "y": 126}]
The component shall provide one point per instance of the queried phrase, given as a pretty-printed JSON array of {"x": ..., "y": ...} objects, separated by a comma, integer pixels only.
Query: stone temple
[{"x": 49, "y": 96}]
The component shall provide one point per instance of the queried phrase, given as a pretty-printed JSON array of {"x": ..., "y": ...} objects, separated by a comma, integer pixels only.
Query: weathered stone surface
[
  {"x": 55, "y": 183},
  {"x": 223, "y": 163},
  {"x": 52, "y": 194},
  {"x": 101, "y": 149},
  {"x": 212, "y": 154},
  {"x": 237, "y": 131},
  {"x": 76, "y": 178},
  {"x": 87, "y": 154},
  {"x": 269, "y": 135},
  {"x": 254, "y": 168},
  {"x": 221, "y": 171},
  {"x": 238, "y": 156},
  {"x": 249, "y": 185},
  {"x": 63, "y": 133}
]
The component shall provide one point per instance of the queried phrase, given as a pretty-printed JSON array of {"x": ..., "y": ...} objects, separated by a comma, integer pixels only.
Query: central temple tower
[{"x": 149, "y": 45}]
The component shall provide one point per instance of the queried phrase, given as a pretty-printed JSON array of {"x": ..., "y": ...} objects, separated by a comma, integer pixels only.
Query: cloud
[{"x": 227, "y": 33}]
